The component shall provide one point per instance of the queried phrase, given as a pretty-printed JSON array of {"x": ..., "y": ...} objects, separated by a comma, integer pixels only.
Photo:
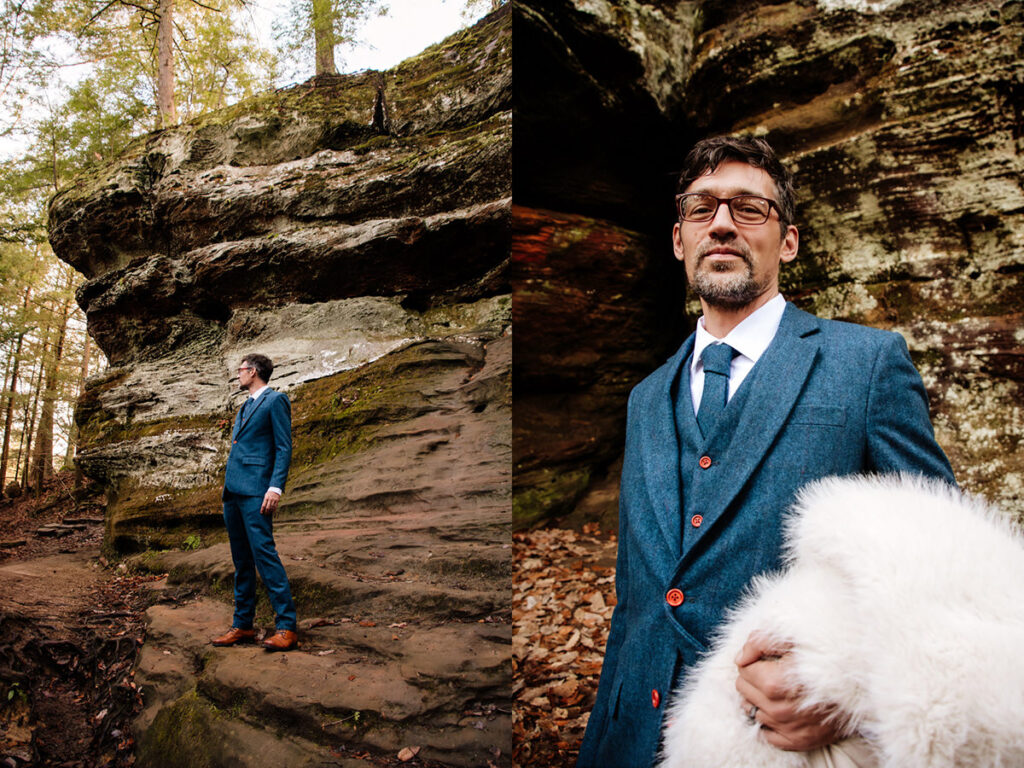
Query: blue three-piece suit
[
  {"x": 700, "y": 516},
  {"x": 261, "y": 451}
]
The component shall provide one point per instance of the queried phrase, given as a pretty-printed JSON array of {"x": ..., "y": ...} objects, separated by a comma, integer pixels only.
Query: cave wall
[{"x": 902, "y": 122}]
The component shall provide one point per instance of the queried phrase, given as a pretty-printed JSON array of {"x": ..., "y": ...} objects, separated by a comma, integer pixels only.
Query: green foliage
[
  {"x": 17, "y": 691},
  {"x": 22, "y": 63},
  {"x": 192, "y": 542},
  {"x": 218, "y": 59}
]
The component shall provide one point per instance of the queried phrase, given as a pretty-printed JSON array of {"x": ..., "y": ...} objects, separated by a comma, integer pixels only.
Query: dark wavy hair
[
  {"x": 708, "y": 154},
  {"x": 264, "y": 367}
]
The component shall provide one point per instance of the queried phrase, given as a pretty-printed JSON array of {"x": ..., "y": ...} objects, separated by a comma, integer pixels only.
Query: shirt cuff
[{"x": 278, "y": 491}]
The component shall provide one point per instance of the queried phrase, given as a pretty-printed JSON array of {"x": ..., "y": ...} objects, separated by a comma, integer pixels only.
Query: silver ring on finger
[{"x": 752, "y": 714}]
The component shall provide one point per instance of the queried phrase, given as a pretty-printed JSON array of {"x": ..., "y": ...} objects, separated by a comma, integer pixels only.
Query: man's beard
[{"x": 726, "y": 288}]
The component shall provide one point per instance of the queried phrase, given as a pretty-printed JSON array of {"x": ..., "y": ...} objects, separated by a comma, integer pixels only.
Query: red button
[
  {"x": 696, "y": 520},
  {"x": 705, "y": 462},
  {"x": 674, "y": 597},
  {"x": 655, "y": 698}
]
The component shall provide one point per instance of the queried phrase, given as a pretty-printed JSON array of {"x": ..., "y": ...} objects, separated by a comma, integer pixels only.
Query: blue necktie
[
  {"x": 245, "y": 408},
  {"x": 717, "y": 358}
]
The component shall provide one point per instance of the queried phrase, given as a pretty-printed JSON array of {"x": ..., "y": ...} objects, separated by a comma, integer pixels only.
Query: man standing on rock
[
  {"x": 762, "y": 399},
  {"x": 261, "y": 450}
]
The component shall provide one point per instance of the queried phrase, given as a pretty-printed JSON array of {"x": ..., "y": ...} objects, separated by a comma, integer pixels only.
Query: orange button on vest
[
  {"x": 655, "y": 698},
  {"x": 696, "y": 520},
  {"x": 674, "y": 597},
  {"x": 704, "y": 462}
]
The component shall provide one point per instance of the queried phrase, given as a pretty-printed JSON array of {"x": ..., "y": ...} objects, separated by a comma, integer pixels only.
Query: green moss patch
[
  {"x": 141, "y": 517},
  {"x": 183, "y": 735},
  {"x": 547, "y": 493},
  {"x": 339, "y": 414}
]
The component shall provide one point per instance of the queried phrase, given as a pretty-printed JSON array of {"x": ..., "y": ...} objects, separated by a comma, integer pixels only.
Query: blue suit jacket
[
  {"x": 826, "y": 398},
  {"x": 261, "y": 447}
]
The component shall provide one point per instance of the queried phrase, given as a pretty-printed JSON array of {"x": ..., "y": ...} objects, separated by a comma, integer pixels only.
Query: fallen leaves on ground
[{"x": 562, "y": 605}]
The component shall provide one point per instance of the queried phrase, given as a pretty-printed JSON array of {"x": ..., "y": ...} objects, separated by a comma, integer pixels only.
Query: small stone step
[
  {"x": 83, "y": 521},
  {"x": 59, "y": 529}
]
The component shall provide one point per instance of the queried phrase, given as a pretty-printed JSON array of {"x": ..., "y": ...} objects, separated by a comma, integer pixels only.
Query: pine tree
[{"x": 320, "y": 27}]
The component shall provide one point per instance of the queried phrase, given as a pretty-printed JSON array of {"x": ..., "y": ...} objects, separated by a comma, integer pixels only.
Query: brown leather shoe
[
  {"x": 236, "y": 636},
  {"x": 283, "y": 640}
]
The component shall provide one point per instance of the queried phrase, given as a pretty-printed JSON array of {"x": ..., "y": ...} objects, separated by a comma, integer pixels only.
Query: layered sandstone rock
[
  {"x": 903, "y": 124},
  {"x": 355, "y": 230}
]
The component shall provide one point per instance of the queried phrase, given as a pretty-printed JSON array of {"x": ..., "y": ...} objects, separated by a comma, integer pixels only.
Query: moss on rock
[{"x": 183, "y": 736}]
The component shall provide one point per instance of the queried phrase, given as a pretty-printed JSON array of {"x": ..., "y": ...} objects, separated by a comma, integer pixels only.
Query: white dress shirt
[
  {"x": 750, "y": 339},
  {"x": 254, "y": 397}
]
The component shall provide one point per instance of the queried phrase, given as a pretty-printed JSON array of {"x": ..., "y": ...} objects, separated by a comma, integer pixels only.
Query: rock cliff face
[
  {"x": 903, "y": 124},
  {"x": 355, "y": 229}
]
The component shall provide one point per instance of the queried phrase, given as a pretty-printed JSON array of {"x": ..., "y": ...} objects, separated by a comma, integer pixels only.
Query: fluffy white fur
[{"x": 904, "y": 601}]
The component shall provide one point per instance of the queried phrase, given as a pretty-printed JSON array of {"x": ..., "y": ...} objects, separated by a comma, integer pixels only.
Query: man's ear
[
  {"x": 677, "y": 241},
  {"x": 790, "y": 244}
]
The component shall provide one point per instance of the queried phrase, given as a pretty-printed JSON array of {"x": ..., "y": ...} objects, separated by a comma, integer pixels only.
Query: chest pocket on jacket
[{"x": 818, "y": 415}]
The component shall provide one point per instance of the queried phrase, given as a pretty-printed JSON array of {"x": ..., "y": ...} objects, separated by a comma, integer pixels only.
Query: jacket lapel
[
  {"x": 239, "y": 424},
  {"x": 775, "y": 388},
  {"x": 660, "y": 447}
]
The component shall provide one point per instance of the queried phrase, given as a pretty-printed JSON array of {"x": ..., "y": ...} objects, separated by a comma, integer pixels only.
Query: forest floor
[
  {"x": 70, "y": 628},
  {"x": 563, "y": 599}
]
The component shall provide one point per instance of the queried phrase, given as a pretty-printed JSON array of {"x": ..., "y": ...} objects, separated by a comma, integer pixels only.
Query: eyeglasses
[
  {"x": 246, "y": 368},
  {"x": 745, "y": 209}
]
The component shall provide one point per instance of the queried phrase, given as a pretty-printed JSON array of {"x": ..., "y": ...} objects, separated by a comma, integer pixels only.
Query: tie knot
[{"x": 717, "y": 358}]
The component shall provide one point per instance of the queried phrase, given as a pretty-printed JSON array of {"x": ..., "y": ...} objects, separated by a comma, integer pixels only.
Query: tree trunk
[
  {"x": 5, "y": 455},
  {"x": 43, "y": 464},
  {"x": 9, "y": 416},
  {"x": 165, "y": 65},
  {"x": 323, "y": 35},
  {"x": 28, "y": 427},
  {"x": 10, "y": 378},
  {"x": 73, "y": 434}
]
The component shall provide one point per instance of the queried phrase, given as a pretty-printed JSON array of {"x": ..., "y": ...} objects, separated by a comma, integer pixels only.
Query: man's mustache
[{"x": 705, "y": 250}]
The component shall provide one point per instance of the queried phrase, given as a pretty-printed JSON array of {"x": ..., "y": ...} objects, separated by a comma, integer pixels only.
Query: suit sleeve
[
  {"x": 900, "y": 435},
  {"x": 281, "y": 428}
]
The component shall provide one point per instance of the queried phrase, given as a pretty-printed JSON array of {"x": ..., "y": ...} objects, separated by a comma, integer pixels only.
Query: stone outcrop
[
  {"x": 903, "y": 124},
  {"x": 355, "y": 229}
]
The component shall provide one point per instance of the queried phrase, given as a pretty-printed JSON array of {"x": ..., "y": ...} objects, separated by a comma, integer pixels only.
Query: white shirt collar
[
  {"x": 750, "y": 338},
  {"x": 259, "y": 392}
]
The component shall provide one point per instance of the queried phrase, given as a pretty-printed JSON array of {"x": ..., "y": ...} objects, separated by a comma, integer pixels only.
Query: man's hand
[
  {"x": 270, "y": 500},
  {"x": 763, "y": 683}
]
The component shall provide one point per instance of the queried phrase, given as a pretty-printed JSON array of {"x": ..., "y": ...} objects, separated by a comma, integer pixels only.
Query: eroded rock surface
[
  {"x": 355, "y": 229},
  {"x": 903, "y": 124}
]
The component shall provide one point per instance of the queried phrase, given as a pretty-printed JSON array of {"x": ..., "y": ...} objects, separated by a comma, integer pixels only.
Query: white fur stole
[{"x": 904, "y": 602}]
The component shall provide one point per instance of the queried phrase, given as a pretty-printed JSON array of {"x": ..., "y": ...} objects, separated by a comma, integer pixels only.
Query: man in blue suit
[
  {"x": 261, "y": 450},
  {"x": 760, "y": 400}
]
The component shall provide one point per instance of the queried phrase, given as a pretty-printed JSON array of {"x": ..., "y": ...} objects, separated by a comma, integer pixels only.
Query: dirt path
[{"x": 70, "y": 629}]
